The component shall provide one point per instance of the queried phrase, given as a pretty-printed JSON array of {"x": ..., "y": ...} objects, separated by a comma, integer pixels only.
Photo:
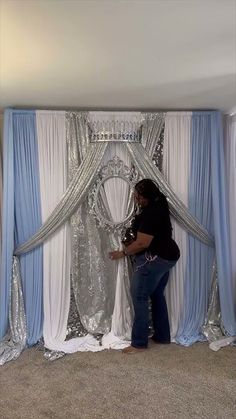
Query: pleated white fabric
[
  {"x": 56, "y": 250},
  {"x": 176, "y": 160},
  {"x": 230, "y": 159},
  {"x": 117, "y": 193}
]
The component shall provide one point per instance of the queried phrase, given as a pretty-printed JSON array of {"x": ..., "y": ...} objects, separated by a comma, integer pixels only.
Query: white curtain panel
[
  {"x": 117, "y": 193},
  {"x": 230, "y": 159},
  {"x": 176, "y": 160},
  {"x": 56, "y": 250}
]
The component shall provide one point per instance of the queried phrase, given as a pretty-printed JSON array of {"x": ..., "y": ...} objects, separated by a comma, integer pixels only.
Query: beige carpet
[{"x": 163, "y": 382}]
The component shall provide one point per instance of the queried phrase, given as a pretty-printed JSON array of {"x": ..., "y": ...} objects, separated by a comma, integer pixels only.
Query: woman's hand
[{"x": 116, "y": 254}]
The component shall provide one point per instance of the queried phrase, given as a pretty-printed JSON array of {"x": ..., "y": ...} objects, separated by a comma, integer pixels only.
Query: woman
[{"x": 154, "y": 253}]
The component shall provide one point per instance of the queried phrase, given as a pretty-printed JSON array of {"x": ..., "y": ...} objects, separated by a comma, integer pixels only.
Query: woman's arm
[{"x": 141, "y": 243}]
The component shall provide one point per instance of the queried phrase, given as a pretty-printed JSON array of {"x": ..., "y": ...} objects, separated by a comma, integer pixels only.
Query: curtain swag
[{"x": 78, "y": 188}]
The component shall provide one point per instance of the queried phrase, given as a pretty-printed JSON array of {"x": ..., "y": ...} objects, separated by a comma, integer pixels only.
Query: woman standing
[{"x": 154, "y": 253}]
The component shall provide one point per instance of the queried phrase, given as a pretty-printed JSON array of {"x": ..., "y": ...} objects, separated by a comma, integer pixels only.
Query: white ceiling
[{"x": 163, "y": 54}]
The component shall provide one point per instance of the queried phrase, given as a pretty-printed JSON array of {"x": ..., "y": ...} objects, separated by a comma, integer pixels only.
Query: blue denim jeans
[{"x": 149, "y": 280}]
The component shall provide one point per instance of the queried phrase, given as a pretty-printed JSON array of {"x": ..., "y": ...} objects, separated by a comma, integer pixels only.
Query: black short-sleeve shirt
[{"x": 154, "y": 220}]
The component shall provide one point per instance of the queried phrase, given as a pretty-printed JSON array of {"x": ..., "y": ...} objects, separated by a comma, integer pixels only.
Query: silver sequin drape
[
  {"x": 153, "y": 123},
  {"x": 213, "y": 328},
  {"x": 13, "y": 344},
  {"x": 77, "y": 146},
  {"x": 91, "y": 270}
]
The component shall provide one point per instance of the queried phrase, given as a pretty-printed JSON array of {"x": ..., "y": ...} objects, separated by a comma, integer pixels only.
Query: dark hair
[{"x": 148, "y": 189}]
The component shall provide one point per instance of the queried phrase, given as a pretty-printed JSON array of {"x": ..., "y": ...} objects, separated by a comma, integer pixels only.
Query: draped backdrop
[{"x": 51, "y": 160}]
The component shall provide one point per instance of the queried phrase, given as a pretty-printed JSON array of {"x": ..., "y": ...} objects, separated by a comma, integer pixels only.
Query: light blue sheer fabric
[
  {"x": 28, "y": 218},
  {"x": 7, "y": 220},
  {"x": 221, "y": 224},
  {"x": 21, "y": 201},
  {"x": 199, "y": 255}
]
